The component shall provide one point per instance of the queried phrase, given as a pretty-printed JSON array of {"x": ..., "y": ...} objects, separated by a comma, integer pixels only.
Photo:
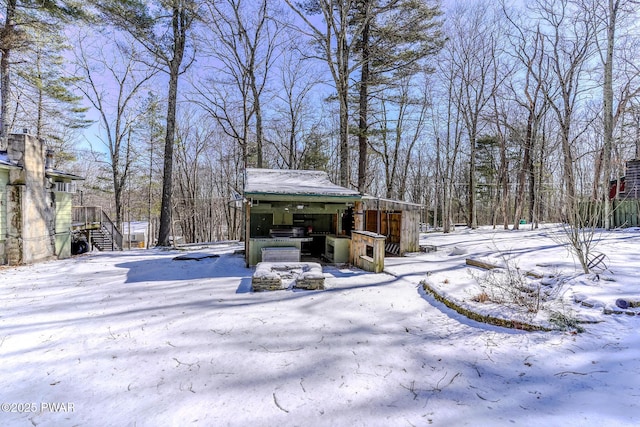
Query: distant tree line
[{"x": 484, "y": 112}]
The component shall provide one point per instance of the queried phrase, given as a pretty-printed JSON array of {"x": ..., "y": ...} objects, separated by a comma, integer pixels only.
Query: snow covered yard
[{"x": 137, "y": 338}]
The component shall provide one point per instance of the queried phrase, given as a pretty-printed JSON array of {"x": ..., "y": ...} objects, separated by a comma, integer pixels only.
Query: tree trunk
[
  {"x": 179, "y": 36},
  {"x": 437, "y": 187},
  {"x": 167, "y": 180},
  {"x": 533, "y": 194},
  {"x": 524, "y": 168},
  {"x": 149, "y": 185},
  {"x": 607, "y": 107},
  {"x": 364, "y": 102},
  {"x": 292, "y": 163},
  {"x": 473, "y": 216},
  {"x": 343, "y": 95},
  {"x": 6, "y": 42},
  {"x": 504, "y": 180},
  {"x": 258, "y": 112}
]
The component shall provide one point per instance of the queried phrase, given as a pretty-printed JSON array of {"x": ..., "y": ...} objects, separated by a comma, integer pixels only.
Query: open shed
[
  {"x": 299, "y": 209},
  {"x": 301, "y": 214},
  {"x": 398, "y": 221}
]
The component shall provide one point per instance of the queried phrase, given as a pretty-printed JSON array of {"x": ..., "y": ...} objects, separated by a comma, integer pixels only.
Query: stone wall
[
  {"x": 30, "y": 213},
  {"x": 4, "y": 179}
]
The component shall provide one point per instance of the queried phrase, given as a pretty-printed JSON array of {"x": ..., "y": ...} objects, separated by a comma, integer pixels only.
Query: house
[
  {"x": 305, "y": 213},
  {"x": 135, "y": 234},
  {"x": 624, "y": 195},
  {"x": 35, "y": 203},
  {"x": 630, "y": 183}
]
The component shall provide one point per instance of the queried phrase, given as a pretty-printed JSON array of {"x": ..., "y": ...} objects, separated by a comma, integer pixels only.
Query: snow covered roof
[
  {"x": 54, "y": 173},
  {"x": 5, "y": 162},
  {"x": 380, "y": 203},
  {"x": 294, "y": 182}
]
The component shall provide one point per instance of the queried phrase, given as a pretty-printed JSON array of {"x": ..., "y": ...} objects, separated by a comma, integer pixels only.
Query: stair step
[{"x": 102, "y": 240}]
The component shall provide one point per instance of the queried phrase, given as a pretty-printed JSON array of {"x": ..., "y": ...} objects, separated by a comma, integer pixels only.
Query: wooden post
[{"x": 247, "y": 231}]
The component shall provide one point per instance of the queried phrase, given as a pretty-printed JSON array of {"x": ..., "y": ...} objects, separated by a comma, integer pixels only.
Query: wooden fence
[{"x": 624, "y": 213}]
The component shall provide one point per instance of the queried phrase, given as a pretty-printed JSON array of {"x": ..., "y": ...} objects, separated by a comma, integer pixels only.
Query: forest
[{"x": 485, "y": 112}]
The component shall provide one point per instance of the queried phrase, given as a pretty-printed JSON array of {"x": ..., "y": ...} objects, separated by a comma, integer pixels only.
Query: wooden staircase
[
  {"x": 98, "y": 227},
  {"x": 103, "y": 240}
]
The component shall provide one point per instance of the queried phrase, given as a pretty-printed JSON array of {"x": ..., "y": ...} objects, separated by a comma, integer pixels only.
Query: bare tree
[
  {"x": 294, "y": 117},
  {"x": 192, "y": 202},
  {"x": 527, "y": 47},
  {"x": 246, "y": 38},
  {"x": 568, "y": 33},
  {"x": 401, "y": 124},
  {"x": 111, "y": 81},
  {"x": 151, "y": 131},
  {"x": 609, "y": 16},
  {"x": 475, "y": 47},
  {"x": 226, "y": 160},
  {"x": 335, "y": 44},
  {"x": 447, "y": 122},
  {"x": 164, "y": 31}
]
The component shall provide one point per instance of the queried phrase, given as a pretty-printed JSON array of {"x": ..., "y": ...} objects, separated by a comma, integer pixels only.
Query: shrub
[{"x": 511, "y": 286}]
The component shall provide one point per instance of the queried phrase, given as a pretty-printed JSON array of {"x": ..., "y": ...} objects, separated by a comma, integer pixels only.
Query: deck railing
[
  {"x": 86, "y": 215},
  {"x": 91, "y": 217}
]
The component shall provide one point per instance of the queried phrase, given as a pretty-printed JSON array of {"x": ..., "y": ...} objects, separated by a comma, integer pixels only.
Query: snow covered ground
[{"x": 138, "y": 338}]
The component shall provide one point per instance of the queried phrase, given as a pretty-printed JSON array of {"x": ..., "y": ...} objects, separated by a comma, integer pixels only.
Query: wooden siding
[
  {"x": 632, "y": 181},
  {"x": 410, "y": 232},
  {"x": 402, "y": 228},
  {"x": 361, "y": 241},
  {"x": 63, "y": 212},
  {"x": 390, "y": 224},
  {"x": 63, "y": 224}
]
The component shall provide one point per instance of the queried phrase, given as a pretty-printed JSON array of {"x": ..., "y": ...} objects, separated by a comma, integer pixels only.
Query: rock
[
  {"x": 458, "y": 251},
  {"x": 305, "y": 275},
  {"x": 622, "y": 303}
]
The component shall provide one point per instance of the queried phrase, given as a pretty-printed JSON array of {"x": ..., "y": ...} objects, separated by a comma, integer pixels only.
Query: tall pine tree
[
  {"x": 395, "y": 35},
  {"x": 163, "y": 29},
  {"x": 20, "y": 18}
]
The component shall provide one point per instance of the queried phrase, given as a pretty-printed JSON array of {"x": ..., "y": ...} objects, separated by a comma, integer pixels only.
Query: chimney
[
  {"x": 4, "y": 138},
  {"x": 48, "y": 162}
]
